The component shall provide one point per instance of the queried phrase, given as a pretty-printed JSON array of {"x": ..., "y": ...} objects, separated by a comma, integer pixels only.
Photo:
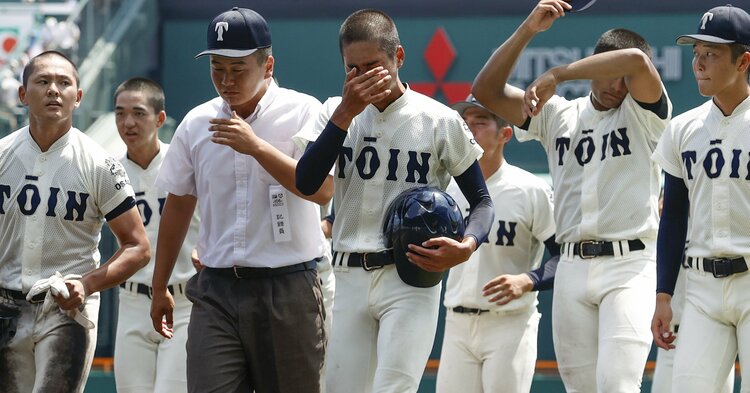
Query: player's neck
[
  {"x": 491, "y": 163},
  {"x": 45, "y": 134},
  {"x": 728, "y": 100},
  {"x": 143, "y": 155}
]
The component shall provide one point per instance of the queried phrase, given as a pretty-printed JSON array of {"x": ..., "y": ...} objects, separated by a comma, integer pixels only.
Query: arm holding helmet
[{"x": 442, "y": 253}]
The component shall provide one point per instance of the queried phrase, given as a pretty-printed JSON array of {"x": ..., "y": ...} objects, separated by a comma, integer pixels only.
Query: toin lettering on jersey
[
  {"x": 615, "y": 144},
  {"x": 145, "y": 209},
  {"x": 29, "y": 199},
  {"x": 368, "y": 162},
  {"x": 714, "y": 163}
]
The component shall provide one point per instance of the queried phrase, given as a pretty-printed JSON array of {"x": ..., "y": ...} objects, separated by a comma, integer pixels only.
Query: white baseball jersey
[
  {"x": 53, "y": 205},
  {"x": 237, "y": 197},
  {"x": 416, "y": 141},
  {"x": 523, "y": 221},
  {"x": 709, "y": 152},
  {"x": 150, "y": 202},
  {"x": 605, "y": 188}
]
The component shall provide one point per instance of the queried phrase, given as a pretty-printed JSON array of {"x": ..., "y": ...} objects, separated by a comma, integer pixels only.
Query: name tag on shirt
[{"x": 279, "y": 214}]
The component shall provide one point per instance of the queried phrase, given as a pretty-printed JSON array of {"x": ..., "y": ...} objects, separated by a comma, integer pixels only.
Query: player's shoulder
[
  {"x": 88, "y": 145},
  {"x": 429, "y": 105},
  {"x": 204, "y": 111},
  {"x": 291, "y": 95},
  {"x": 692, "y": 116},
  {"x": 332, "y": 102},
  {"x": 13, "y": 138},
  {"x": 525, "y": 179}
]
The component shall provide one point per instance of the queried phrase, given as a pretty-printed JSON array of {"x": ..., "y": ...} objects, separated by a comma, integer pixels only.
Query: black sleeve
[
  {"x": 481, "y": 211},
  {"x": 526, "y": 123},
  {"x": 126, "y": 205},
  {"x": 660, "y": 108},
  {"x": 331, "y": 217},
  {"x": 670, "y": 243},
  {"x": 318, "y": 159},
  {"x": 544, "y": 276}
]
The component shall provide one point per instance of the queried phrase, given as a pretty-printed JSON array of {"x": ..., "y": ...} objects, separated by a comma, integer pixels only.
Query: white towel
[{"x": 55, "y": 285}]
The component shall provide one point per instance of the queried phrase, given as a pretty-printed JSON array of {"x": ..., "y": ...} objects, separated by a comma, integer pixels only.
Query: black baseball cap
[
  {"x": 238, "y": 32},
  {"x": 470, "y": 101},
  {"x": 721, "y": 25}
]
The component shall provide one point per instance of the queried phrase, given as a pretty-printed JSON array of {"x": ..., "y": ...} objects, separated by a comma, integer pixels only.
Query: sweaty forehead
[{"x": 53, "y": 65}]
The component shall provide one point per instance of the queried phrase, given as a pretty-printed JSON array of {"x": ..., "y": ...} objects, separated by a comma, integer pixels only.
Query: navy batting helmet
[{"x": 415, "y": 216}]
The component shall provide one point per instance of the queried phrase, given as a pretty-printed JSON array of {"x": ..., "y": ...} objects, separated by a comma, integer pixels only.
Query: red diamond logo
[{"x": 440, "y": 55}]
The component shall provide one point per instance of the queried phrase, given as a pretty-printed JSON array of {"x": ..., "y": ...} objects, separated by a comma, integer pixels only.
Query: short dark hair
[
  {"x": 616, "y": 39},
  {"x": 153, "y": 91},
  {"x": 31, "y": 66},
  {"x": 737, "y": 51},
  {"x": 262, "y": 54},
  {"x": 370, "y": 25}
]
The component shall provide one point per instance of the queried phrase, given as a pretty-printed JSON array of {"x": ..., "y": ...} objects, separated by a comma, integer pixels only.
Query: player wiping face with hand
[
  {"x": 384, "y": 139},
  {"x": 606, "y": 192}
]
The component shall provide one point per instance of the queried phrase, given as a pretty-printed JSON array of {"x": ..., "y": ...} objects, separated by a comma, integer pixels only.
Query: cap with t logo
[
  {"x": 238, "y": 32},
  {"x": 721, "y": 25}
]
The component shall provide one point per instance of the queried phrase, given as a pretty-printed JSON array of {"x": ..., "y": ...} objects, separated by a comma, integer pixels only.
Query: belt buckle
[
  {"x": 364, "y": 263},
  {"x": 592, "y": 243},
  {"x": 723, "y": 261}
]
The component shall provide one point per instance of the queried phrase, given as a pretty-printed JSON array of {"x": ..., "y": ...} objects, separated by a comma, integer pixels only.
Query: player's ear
[
  {"x": 400, "y": 55},
  {"x": 744, "y": 62},
  {"x": 79, "y": 97},
  {"x": 507, "y": 133},
  {"x": 22, "y": 95},
  {"x": 269, "y": 67},
  {"x": 161, "y": 117}
]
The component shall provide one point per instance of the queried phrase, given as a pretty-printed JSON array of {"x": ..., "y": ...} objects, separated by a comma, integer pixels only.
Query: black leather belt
[
  {"x": 720, "y": 267},
  {"x": 593, "y": 248},
  {"x": 368, "y": 260},
  {"x": 144, "y": 289},
  {"x": 468, "y": 310},
  {"x": 265, "y": 272},
  {"x": 18, "y": 295}
]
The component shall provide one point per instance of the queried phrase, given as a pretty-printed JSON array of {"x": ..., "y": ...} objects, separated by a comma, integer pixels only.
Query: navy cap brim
[
  {"x": 690, "y": 39},
  {"x": 226, "y": 52},
  {"x": 460, "y": 107}
]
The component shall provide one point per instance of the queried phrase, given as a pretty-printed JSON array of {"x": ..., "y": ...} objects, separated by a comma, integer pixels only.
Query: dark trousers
[{"x": 255, "y": 334}]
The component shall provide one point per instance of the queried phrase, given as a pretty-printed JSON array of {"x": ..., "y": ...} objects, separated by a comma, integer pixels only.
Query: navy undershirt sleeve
[
  {"x": 318, "y": 159},
  {"x": 670, "y": 243},
  {"x": 126, "y": 205},
  {"x": 544, "y": 276},
  {"x": 660, "y": 108},
  {"x": 481, "y": 211}
]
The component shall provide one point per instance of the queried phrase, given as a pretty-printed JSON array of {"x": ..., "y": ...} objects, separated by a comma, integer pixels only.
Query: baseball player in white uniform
[
  {"x": 144, "y": 360},
  {"x": 57, "y": 186},
  {"x": 384, "y": 138},
  {"x": 662, "y": 379},
  {"x": 606, "y": 192},
  {"x": 490, "y": 345},
  {"x": 703, "y": 153}
]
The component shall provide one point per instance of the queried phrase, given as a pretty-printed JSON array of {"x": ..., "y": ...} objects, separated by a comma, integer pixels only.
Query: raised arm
[
  {"x": 320, "y": 155},
  {"x": 491, "y": 86},
  {"x": 638, "y": 72}
]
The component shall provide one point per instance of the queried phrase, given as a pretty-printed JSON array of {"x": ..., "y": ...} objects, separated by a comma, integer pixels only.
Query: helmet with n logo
[{"x": 417, "y": 215}]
